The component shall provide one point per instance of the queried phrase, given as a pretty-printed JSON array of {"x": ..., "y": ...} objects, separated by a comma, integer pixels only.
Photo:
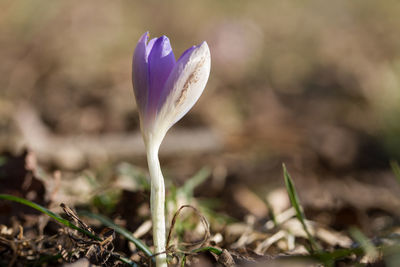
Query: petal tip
[
  {"x": 144, "y": 37},
  {"x": 163, "y": 40},
  {"x": 204, "y": 46},
  {"x": 164, "y": 44}
]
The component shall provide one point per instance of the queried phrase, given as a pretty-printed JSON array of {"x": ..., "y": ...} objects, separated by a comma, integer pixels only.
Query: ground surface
[{"x": 313, "y": 86}]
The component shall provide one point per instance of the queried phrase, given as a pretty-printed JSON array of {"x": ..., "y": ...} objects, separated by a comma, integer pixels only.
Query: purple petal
[
  {"x": 140, "y": 72},
  {"x": 189, "y": 50},
  {"x": 161, "y": 62},
  {"x": 149, "y": 46}
]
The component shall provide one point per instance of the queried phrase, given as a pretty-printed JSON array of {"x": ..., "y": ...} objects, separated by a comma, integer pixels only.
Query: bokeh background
[{"x": 310, "y": 83}]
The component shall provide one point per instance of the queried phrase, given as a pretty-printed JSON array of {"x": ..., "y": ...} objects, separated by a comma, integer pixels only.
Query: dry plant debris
[{"x": 198, "y": 238}]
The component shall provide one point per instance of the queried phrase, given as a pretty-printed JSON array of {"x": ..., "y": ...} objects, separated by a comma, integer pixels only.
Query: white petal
[{"x": 184, "y": 86}]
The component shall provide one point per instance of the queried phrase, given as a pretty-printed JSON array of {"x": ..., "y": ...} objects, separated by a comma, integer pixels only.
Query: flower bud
[{"x": 166, "y": 89}]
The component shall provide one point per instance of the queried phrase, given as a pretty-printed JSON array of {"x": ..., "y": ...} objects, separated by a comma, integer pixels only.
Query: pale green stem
[{"x": 157, "y": 204}]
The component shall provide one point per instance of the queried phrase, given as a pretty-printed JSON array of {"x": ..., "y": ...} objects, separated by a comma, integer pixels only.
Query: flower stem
[{"x": 157, "y": 204}]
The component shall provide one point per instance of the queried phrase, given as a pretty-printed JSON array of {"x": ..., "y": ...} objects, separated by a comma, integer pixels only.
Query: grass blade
[
  {"x": 128, "y": 261},
  {"x": 214, "y": 250},
  {"x": 128, "y": 235},
  {"x": 364, "y": 242},
  {"x": 327, "y": 258},
  {"x": 396, "y": 169},
  {"x": 71, "y": 225},
  {"x": 195, "y": 181},
  {"x": 294, "y": 200},
  {"x": 49, "y": 213}
]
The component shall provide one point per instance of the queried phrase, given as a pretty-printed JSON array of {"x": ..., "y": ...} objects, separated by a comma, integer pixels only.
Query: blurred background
[{"x": 311, "y": 84}]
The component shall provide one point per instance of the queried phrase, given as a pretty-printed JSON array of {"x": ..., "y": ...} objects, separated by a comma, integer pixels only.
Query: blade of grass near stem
[
  {"x": 49, "y": 213},
  {"x": 195, "y": 181},
  {"x": 294, "y": 200},
  {"x": 128, "y": 235}
]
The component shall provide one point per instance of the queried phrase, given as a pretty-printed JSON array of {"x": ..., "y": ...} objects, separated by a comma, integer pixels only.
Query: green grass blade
[
  {"x": 128, "y": 235},
  {"x": 128, "y": 261},
  {"x": 49, "y": 213},
  {"x": 396, "y": 169},
  {"x": 60, "y": 220},
  {"x": 183, "y": 263},
  {"x": 327, "y": 258},
  {"x": 364, "y": 242},
  {"x": 294, "y": 200},
  {"x": 271, "y": 213},
  {"x": 195, "y": 181},
  {"x": 210, "y": 249}
]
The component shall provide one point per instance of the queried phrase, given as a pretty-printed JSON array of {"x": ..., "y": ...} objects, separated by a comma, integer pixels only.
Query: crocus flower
[{"x": 165, "y": 90}]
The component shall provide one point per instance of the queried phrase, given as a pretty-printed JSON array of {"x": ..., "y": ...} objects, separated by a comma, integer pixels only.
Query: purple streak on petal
[
  {"x": 140, "y": 72},
  {"x": 189, "y": 50},
  {"x": 161, "y": 63}
]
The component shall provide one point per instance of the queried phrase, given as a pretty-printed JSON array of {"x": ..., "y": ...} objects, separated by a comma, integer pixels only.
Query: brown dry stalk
[{"x": 203, "y": 220}]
